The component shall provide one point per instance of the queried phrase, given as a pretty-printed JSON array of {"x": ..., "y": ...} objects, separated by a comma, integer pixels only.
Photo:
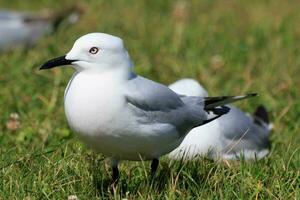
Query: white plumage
[
  {"x": 232, "y": 136},
  {"x": 120, "y": 114}
]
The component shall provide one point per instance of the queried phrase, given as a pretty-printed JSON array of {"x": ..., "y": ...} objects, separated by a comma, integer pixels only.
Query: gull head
[{"x": 94, "y": 51}]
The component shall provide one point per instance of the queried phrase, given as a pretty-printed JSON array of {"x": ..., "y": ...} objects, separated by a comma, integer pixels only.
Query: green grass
[{"x": 257, "y": 44}]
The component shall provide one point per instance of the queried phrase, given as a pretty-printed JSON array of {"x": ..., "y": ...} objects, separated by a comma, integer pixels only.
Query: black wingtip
[
  {"x": 211, "y": 102},
  {"x": 222, "y": 110},
  {"x": 219, "y": 111},
  {"x": 261, "y": 113},
  {"x": 252, "y": 94}
]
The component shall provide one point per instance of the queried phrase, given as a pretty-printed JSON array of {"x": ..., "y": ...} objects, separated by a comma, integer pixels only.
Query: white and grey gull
[{"x": 122, "y": 115}]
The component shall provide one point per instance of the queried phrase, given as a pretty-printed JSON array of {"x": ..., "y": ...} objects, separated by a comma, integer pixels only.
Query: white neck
[{"x": 118, "y": 73}]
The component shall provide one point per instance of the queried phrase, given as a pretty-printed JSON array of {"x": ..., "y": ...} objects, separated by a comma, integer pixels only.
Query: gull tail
[
  {"x": 261, "y": 117},
  {"x": 213, "y": 102},
  {"x": 261, "y": 114},
  {"x": 216, "y": 105}
]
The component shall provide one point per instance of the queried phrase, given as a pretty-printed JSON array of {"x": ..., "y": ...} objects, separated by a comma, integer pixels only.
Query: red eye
[{"x": 94, "y": 50}]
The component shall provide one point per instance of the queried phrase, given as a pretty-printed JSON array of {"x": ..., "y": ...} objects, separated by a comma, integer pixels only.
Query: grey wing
[
  {"x": 150, "y": 95},
  {"x": 241, "y": 128},
  {"x": 155, "y": 103}
]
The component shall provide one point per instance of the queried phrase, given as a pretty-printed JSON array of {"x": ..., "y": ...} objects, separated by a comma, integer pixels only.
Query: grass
[{"x": 232, "y": 47}]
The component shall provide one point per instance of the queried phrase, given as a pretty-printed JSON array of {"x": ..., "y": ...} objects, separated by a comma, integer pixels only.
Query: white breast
[
  {"x": 96, "y": 110},
  {"x": 92, "y": 102}
]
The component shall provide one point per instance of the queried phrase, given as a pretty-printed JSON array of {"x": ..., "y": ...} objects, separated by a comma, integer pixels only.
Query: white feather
[{"x": 232, "y": 136}]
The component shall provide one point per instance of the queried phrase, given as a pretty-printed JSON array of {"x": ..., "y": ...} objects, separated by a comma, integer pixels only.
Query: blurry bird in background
[{"x": 24, "y": 29}]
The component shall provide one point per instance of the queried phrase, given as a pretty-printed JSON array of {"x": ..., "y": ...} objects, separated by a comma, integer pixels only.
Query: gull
[
  {"x": 25, "y": 29},
  {"x": 233, "y": 136},
  {"x": 122, "y": 115}
]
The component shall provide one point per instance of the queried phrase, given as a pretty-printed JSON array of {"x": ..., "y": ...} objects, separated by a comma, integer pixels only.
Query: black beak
[{"x": 55, "y": 62}]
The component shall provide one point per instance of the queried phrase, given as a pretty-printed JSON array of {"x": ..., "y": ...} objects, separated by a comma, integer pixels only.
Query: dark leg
[
  {"x": 115, "y": 171},
  {"x": 154, "y": 166},
  {"x": 115, "y": 174}
]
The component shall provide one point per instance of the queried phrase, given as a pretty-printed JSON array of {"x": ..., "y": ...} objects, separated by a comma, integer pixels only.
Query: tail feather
[
  {"x": 261, "y": 118},
  {"x": 261, "y": 115},
  {"x": 213, "y": 102},
  {"x": 216, "y": 105}
]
